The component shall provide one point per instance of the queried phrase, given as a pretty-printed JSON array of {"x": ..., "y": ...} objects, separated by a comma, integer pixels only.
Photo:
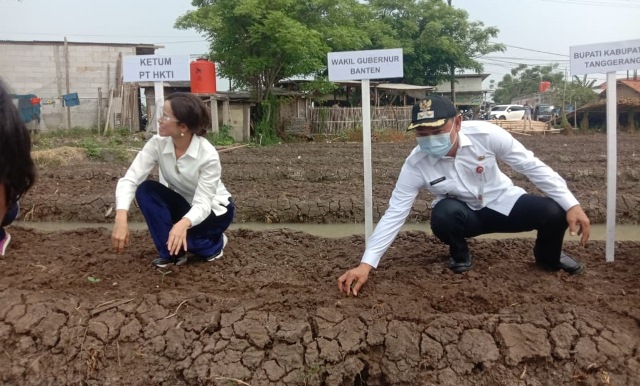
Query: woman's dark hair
[
  {"x": 17, "y": 170},
  {"x": 190, "y": 110}
]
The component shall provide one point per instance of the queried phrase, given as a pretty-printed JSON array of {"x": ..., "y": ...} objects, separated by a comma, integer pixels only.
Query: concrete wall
[{"x": 40, "y": 68}]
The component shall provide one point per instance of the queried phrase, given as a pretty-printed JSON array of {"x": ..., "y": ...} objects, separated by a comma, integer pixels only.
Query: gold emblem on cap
[{"x": 425, "y": 104}]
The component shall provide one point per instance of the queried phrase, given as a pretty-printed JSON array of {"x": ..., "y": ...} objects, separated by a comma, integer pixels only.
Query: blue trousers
[
  {"x": 12, "y": 214},
  {"x": 162, "y": 208},
  {"x": 452, "y": 221}
]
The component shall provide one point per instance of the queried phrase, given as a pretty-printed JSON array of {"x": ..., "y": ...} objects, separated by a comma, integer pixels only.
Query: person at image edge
[
  {"x": 458, "y": 163},
  {"x": 17, "y": 169},
  {"x": 194, "y": 209}
]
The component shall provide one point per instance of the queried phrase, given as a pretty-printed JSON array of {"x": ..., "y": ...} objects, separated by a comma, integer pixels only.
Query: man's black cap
[{"x": 432, "y": 112}]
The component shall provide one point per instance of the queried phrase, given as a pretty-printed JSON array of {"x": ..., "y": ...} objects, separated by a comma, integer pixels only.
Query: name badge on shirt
[{"x": 437, "y": 180}]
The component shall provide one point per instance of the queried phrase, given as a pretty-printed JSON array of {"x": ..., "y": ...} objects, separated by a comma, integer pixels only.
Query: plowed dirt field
[{"x": 72, "y": 312}]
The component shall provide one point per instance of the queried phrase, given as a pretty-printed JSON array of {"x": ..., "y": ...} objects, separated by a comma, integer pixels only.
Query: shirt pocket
[{"x": 481, "y": 170}]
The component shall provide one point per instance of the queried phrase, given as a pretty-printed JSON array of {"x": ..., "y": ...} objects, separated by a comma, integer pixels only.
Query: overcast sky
[{"x": 536, "y": 32}]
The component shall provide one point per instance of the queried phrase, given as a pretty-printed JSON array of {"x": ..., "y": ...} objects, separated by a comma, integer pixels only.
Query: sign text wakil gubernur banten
[
  {"x": 364, "y": 61},
  {"x": 593, "y": 61}
]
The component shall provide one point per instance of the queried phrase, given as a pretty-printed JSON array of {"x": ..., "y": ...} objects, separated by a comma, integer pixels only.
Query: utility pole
[
  {"x": 453, "y": 75},
  {"x": 564, "y": 93}
]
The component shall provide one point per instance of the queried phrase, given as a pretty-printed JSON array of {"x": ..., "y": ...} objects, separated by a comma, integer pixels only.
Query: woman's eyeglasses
[{"x": 167, "y": 118}]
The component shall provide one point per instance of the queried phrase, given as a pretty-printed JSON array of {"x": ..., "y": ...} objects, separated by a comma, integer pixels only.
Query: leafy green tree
[
  {"x": 524, "y": 80},
  {"x": 256, "y": 43},
  {"x": 578, "y": 92},
  {"x": 435, "y": 38}
]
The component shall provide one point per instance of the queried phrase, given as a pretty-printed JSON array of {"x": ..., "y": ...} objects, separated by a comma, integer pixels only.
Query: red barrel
[
  {"x": 203, "y": 77},
  {"x": 544, "y": 86}
]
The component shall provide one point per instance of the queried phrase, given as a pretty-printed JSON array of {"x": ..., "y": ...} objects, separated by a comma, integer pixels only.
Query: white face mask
[{"x": 435, "y": 145}]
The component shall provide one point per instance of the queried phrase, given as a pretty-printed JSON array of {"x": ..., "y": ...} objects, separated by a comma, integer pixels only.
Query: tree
[
  {"x": 578, "y": 92},
  {"x": 256, "y": 43},
  {"x": 435, "y": 38},
  {"x": 259, "y": 42},
  {"x": 524, "y": 80}
]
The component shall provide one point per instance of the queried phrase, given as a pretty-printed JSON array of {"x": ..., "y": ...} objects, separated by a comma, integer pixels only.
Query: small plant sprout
[{"x": 163, "y": 273}]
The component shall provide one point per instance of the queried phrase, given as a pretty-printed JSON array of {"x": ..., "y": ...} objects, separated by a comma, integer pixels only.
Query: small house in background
[
  {"x": 334, "y": 113},
  {"x": 468, "y": 90},
  {"x": 235, "y": 110},
  {"x": 87, "y": 76},
  {"x": 625, "y": 89},
  {"x": 594, "y": 115}
]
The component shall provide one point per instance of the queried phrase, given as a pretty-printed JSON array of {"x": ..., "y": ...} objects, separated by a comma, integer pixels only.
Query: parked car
[
  {"x": 544, "y": 112},
  {"x": 510, "y": 112}
]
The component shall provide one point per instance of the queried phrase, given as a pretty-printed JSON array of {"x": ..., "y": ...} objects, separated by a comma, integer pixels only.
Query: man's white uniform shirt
[{"x": 472, "y": 176}]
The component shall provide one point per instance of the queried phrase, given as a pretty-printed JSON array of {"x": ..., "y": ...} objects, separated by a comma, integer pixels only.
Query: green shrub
[{"x": 222, "y": 138}]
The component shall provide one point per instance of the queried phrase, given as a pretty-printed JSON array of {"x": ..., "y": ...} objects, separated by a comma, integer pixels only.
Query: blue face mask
[{"x": 435, "y": 145}]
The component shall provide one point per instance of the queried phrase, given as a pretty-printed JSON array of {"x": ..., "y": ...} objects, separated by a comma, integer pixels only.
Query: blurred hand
[
  {"x": 120, "y": 233},
  {"x": 579, "y": 223},
  {"x": 178, "y": 236},
  {"x": 354, "y": 279}
]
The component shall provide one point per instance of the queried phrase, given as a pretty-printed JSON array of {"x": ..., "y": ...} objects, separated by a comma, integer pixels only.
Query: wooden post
[
  {"x": 99, "y": 108},
  {"x": 215, "y": 128},
  {"x": 106, "y": 124},
  {"x": 225, "y": 112},
  {"x": 66, "y": 68},
  {"x": 246, "y": 118}
]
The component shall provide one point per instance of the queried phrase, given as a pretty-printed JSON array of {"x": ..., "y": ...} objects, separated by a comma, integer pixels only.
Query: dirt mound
[
  {"x": 62, "y": 156},
  {"x": 268, "y": 313}
]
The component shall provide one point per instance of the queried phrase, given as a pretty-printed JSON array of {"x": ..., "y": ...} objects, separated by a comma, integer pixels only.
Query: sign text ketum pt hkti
[{"x": 155, "y": 68}]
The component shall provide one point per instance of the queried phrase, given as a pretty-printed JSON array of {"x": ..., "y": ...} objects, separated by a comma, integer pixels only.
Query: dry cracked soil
[{"x": 72, "y": 312}]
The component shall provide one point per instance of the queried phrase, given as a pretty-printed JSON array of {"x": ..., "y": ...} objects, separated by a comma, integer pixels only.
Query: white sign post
[
  {"x": 366, "y": 65},
  {"x": 608, "y": 58}
]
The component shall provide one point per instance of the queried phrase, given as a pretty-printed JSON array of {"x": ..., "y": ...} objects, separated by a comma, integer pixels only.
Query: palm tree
[{"x": 583, "y": 82}]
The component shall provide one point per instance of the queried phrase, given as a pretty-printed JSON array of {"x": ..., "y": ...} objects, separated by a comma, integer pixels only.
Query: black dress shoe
[
  {"x": 460, "y": 265},
  {"x": 566, "y": 263}
]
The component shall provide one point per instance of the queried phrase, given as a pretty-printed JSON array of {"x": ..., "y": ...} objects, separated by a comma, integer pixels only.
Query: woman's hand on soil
[
  {"x": 120, "y": 233},
  {"x": 354, "y": 279},
  {"x": 178, "y": 236},
  {"x": 120, "y": 237}
]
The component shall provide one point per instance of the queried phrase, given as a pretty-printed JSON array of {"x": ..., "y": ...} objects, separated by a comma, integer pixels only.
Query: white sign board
[
  {"x": 608, "y": 58},
  {"x": 155, "y": 68},
  {"x": 605, "y": 57},
  {"x": 360, "y": 65}
]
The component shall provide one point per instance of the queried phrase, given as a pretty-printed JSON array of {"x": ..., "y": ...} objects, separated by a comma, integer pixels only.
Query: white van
[{"x": 511, "y": 112}]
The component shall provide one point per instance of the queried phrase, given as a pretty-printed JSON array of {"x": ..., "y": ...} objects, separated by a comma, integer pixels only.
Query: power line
[
  {"x": 521, "y": 58},
  {"x": 532, "y": 50},
  {"x": 608, "y": 3},
  {"x": 107, "y": 36}
]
